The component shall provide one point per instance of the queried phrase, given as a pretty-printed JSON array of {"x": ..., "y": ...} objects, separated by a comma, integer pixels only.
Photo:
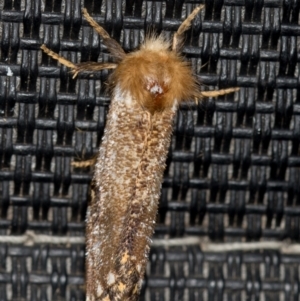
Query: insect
[{"x": 146, "y": 86}]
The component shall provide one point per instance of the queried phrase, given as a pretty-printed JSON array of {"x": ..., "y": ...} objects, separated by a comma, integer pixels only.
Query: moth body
[
  {"x": 146, "y": 88},
  {"x": 129, "y": 171}
]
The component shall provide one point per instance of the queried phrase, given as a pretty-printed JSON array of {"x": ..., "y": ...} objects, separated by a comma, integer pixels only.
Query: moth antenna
[
  {"x": 217, "y": 93},
  {"x": 185, "y": 25},
  {"x": 113, "y": 46},
  {"x": 76, "y": 68}
]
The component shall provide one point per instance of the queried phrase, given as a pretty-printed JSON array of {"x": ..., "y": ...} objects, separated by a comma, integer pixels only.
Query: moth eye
[{"x": 154, "y": 87}]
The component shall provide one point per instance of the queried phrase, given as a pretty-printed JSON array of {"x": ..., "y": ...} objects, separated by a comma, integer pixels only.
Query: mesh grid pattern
[
  {"x": 233, "y": 168},
  {"x": 56, "y": 273}
]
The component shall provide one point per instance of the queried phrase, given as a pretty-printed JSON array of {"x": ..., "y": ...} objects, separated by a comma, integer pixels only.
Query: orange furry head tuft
[{"x": 156, "y": 77}]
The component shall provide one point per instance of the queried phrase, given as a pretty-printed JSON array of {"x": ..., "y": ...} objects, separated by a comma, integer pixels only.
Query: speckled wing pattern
[{"x": 124, "y": 198}]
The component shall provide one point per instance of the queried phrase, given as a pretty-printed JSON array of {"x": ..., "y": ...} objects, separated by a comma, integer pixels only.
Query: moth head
[{"x": 156, "y": 77}]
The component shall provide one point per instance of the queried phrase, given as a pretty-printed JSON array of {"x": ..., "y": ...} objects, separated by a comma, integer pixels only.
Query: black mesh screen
[{"x": 230, "y": 196}]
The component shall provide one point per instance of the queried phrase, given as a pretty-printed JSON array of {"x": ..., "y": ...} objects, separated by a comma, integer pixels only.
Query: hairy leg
[
  {"x": 217, "y": 93},
  {"x": 76, "y": 68}
]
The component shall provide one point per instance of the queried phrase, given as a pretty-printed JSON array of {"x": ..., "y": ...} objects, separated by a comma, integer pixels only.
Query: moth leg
[
  {"x": 85, "y": 163},
  {"x": 76, "y": 68},
  {"x": 57, "y": 57},
  {"x": 113, "y": 46},
  {"x": 217, "y": 93},
  {"x": 92, "y": 67},
  {"x": 185, "y": 25},
  {"x": 178, "y": 42}
]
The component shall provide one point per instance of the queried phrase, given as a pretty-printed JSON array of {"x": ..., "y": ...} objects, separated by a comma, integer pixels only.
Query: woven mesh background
[{"x": 233, "y": 170}]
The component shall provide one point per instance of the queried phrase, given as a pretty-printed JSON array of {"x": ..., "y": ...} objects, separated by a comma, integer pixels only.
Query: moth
[{"x": 146, "y": 86}]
